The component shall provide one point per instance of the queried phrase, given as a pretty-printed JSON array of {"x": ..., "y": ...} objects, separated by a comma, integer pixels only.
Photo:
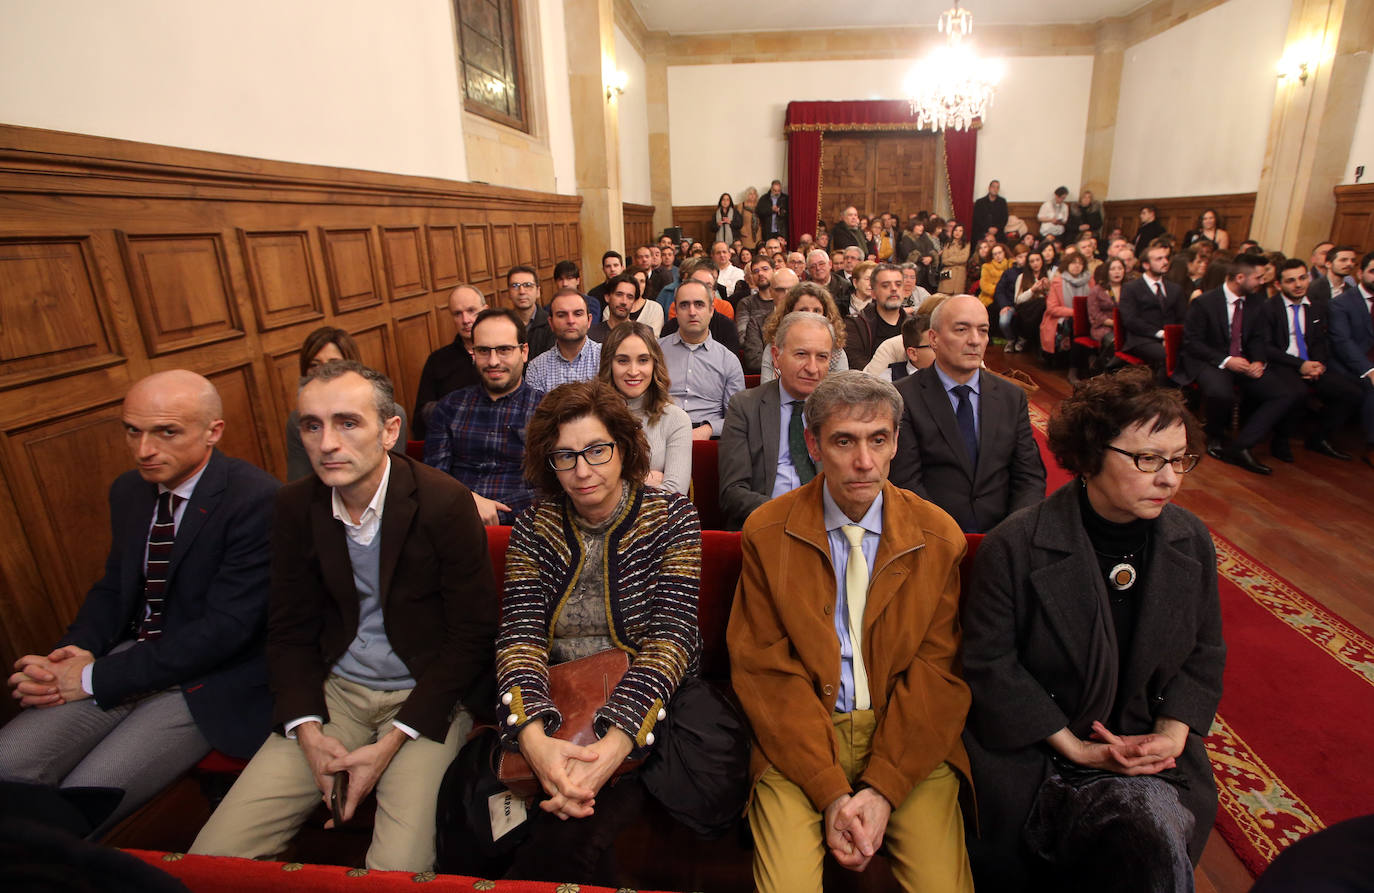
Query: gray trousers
[{"x": 137, "y": 748}]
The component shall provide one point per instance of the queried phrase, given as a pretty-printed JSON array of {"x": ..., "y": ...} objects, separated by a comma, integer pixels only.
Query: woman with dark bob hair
[
  {"x": 322, "y": 345},
  {"x": 1093, "y": 648},
  {"x": 599, "y": 562}
]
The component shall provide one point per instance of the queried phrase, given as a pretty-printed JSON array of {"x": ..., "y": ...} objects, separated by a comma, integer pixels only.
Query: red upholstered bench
[
  {"x": 751, "y": 380},
  {"x": 219, "y": 874},
  {"x": 1173, "y": 346},
  {"x": 1121, "y": 339},
  {"x": 706, "y": 483}
]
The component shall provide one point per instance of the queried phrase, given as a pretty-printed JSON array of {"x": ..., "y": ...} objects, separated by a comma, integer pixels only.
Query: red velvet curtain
[{"x": 806, "y": 124}]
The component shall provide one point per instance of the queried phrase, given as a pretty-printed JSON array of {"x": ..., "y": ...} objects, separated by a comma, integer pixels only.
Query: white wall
[
  {"x": 1195, "y": 103},
  {"x": 633, "y": 107},
  {"x": 554, "y": 46},
  {"x": 366, "y": 84},
  {"x": 1362, "y": 145},
  {"x": 737, "y": 139}
]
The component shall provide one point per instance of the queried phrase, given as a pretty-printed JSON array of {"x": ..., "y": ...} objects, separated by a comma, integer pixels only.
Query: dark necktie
[
  {"x": 963, "y": 414},
  {"x": 1237, "y": 324},
  {"x": 1369, "y": 354},
  {"x": 796, "y": 445},
  {"x": 1297, "y": 333},
  {"x": 160, "y": 540},
  {"x": 1159, "y": 290}
]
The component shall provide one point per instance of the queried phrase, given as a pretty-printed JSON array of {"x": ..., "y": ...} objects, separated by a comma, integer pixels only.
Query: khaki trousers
[
  {"x": 276, "y": 792},
  {"x": 924, "y": 838}
]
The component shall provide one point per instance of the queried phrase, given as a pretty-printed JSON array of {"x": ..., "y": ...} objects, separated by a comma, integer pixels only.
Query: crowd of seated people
[{"x": 343, "y": 631}]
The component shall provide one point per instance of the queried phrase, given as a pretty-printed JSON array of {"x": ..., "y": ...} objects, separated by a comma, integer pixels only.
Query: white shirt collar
[
  {"x": 373, "y": 513},
  {"x": 186, "y": 487},
  {"x": 1231, "y": 297}
]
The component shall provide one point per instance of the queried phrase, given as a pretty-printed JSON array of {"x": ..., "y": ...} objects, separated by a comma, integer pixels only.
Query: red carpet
[{"x": 1298, "y": 701}]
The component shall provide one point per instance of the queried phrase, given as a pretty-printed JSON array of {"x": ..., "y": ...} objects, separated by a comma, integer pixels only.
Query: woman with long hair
[
  {"x": 810, "y": 298},
  {"x": 1102, "y": 300},
  {"x": 632, "y": 363},
  {"x": 991, "y": 272},
  {"x": 1031, "y": 288},
  {"x": 954, "y": 262},
  {"x": 1210, "y": 227},
  {"x": 748, "y": 219},
  {"x": 727, "y": 218}
]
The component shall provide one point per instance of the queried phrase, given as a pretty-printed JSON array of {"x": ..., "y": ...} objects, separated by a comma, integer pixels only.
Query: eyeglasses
[
  {"x": 504, "y": 351},
  {"x": 524, "y": 286},
  {"x": 1150, "y": 463},
  {"x": 596, "y": 454}
]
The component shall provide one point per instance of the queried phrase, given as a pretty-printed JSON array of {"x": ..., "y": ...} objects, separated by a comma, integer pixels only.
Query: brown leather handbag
[{"x": 578, "y": 688}]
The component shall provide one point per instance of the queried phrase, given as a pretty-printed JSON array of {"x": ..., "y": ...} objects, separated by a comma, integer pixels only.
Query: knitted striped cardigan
[{"x": 652, "y": 572}]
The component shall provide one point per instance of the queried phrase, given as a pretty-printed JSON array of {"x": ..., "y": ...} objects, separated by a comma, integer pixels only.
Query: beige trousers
[
  {"x": 925, "y": 834},
  {"x": 277, "y": 792}
]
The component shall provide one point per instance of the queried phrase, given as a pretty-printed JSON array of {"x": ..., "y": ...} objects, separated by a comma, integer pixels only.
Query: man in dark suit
[
  {"x": 772, "y": 212},
  {"x": 1224, "y": 358},
  {"x": 1299, "y": 349},
  {"x": 1150, "y": 229},
  {"x": 1147, "y": 305},
  {"x": 965, "y": 440},
  {"x": 1338, "y": 276},
  {"x": 762, "y": 446},
  {"x": 450, "y": 367},
  {"x": 383, "y": 615},
  {"x": 990, "y": 214},
  {"x": 165, "y": 657},
  {"x": 1352, "y": 344},
  {"x": 847, "y": 234}
]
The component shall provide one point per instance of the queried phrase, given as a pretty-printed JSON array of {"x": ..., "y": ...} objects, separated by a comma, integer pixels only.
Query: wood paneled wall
[
  {"x": 697, "y": 221},
  {"x": 1353, "y": 223},
  {"x": 120, "y": 259},
  {"x": 639, "y": 227},
  {"x": 1179, "y": 215}
]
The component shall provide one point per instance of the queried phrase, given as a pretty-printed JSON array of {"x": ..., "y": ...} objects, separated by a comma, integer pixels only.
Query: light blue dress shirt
[
  {"x": 787, "y": 479},
  {"x": 704, "y": 377},
  {"x": 872, "y": 523},
  {"x": 975, "y": 382}
]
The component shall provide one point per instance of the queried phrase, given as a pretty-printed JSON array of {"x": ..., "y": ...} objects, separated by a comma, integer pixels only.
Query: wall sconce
[
  {"x": 615, "y": 84},
  {"x": 1299, "y": 62}
]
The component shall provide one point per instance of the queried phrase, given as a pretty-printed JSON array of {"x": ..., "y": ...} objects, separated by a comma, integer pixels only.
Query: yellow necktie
[{"x": 855, "y": 595}]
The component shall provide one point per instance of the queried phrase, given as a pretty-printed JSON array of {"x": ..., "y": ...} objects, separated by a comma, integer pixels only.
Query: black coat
[
  {"x": 1036, "y": 608},
  {"x": 1277, "y": 318},
  {"x": 764, "y": 212},
  {"x": 211, "y": 646},
  {"x": 447, "y": 369},
  {"x": 1142, "y": 315},
  {"x": 989, "y": 211},
  {"x": 1206, "y": 333}
]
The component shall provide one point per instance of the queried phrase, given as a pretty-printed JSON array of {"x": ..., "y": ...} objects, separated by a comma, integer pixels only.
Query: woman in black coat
[{"x": 1093, "y": 648}]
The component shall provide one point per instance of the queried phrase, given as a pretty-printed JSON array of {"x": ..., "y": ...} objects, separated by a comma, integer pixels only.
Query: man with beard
[
  {"x": 879, "y": 321},
  {"x": 477, "y": 434},
  {"x": 624, "y": 302}
]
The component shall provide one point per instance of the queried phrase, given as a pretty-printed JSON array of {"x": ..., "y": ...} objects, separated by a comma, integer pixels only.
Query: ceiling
[{"x": 728, "y": 16}]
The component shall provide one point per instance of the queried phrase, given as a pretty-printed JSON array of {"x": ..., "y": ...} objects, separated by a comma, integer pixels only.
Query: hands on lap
[
  {"x": 854, "y": 827},
  {"x": 48, "y": 681},
  {"x": 570, "y": 774}
]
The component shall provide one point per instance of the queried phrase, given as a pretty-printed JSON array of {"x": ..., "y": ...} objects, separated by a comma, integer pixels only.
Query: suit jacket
[
  {"x": 843, "y": 236},
  {"x": 764, "y": 211},
  {"x": 785, "y": 655},
  {"x": 931, "y": 460},
  {"x": 446, "y": 370},
  {"x": 1315, "y": 334},
  {"x": 989, "y": 211},
  {"x": 211, "y": 645},
  {"x": 749, "y": 451},
  {"x": 1036, "y": 610},
  {"x": 1147, "y": 233},
  {"x": 437, "y": 592},
  {"x": 1352, "y": 332},
  {"x": 1142, "y": 315},
  {"x": 1207, "y": 333}
]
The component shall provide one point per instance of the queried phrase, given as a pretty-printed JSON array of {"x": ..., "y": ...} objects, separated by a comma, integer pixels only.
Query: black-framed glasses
[
  {"x": 1150, "y": 463},
  {"x": 504, "y": 351},
  {"x": 524, "y": 286},
  {"x": 596, "y": 454}
]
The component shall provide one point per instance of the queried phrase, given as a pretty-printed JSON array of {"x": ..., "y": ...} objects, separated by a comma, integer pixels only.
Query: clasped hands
[
  {"x": 854, "y": 827},
  {"x": 47, "y": 681},
  {"x": 328, "y": 756},
  {"x": 1130, "y": 754},
  {"x": 571, "y": 774}
]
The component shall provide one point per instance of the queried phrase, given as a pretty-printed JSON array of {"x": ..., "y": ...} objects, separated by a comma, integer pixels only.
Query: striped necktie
[{"x": 160, "y": 540}]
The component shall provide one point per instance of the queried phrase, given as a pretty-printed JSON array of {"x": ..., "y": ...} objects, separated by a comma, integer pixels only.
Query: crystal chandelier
[{"x": 951, "y": 87}]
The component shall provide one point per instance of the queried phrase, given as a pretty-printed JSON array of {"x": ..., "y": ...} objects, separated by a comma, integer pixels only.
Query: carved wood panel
[
  {"x": 180, "y": 285},
  {"x": 878, "y": 172},
  {"x": 1353, "y": 222},
  {"x": 281, "y": 277},
  {"x": 405, "y": 266},
  {"x": 50, "y": 317},
  {"x": 503, "y": 248},
  {"x": 1179, "y": 215},
  {"x": 118, "y": 259},
  {"x": 639, "y": 226}
]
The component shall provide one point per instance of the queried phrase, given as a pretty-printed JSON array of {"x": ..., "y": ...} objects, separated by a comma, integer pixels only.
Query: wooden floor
[{"x": 1309, "y": 522}]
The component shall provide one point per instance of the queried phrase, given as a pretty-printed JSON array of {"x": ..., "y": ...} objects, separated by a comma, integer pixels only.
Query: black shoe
[
  {"x": 1325, "y": 447},
  {"x": 1280, "y": 450},
  {"x": 1246, "y": 461},
  {"x": 1214, "y": 450}
]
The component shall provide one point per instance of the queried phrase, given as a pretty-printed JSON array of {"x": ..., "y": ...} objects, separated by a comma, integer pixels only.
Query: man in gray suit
[
  {"x": 965, "y": 441},
  {"x": 762, "y": 449}
]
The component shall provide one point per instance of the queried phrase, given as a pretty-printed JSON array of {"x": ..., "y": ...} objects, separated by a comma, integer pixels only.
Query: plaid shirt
[
  {"x": 549, "y": 370},
  {"x": 481, "y": 442}
]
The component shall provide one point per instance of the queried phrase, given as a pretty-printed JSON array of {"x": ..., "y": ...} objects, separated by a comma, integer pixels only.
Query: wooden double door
[{"x": 876, "y": 172}]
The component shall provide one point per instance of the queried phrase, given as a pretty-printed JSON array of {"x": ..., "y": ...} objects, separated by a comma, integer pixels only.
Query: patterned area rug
[{"x": 1298, "y": 700}]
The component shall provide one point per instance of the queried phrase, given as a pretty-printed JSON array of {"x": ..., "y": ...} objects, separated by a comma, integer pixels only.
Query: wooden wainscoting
[
  {"x": 697, "y": 221},
  {"x": 1353, "y": 223},
  {"x": 639, "y": 227},
  {"x": 1179, "y": 215},
  {"x": 119, "y": 259}
]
